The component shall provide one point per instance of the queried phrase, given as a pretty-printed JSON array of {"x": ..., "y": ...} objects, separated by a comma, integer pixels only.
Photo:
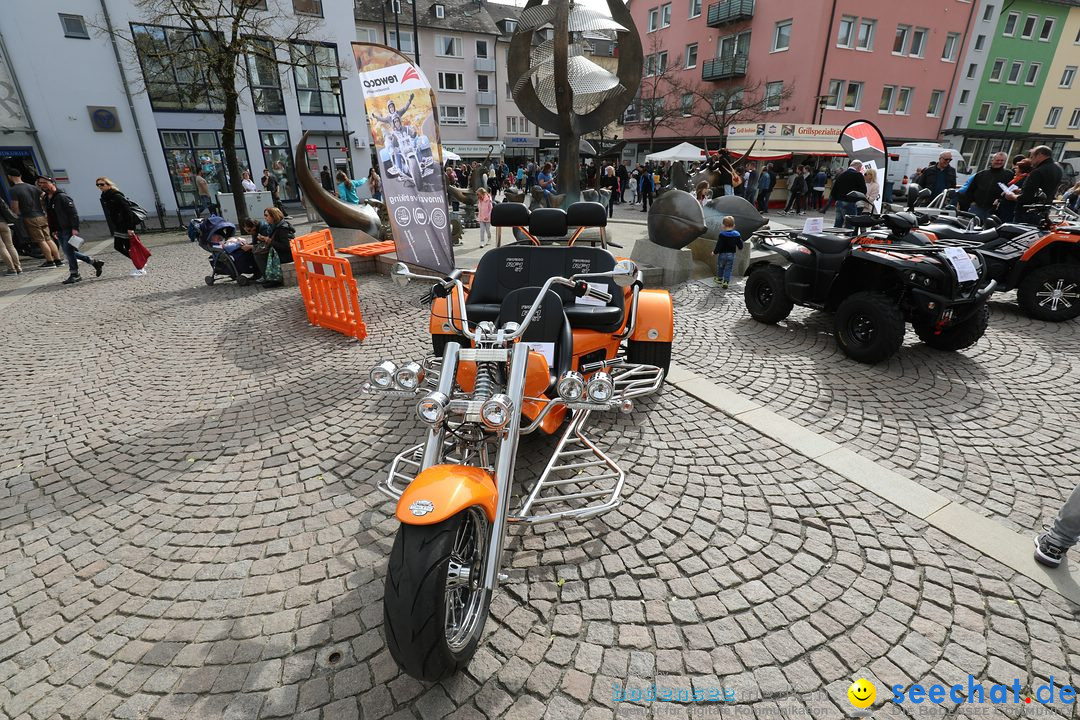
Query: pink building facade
[{"x": 811, "y": 61}]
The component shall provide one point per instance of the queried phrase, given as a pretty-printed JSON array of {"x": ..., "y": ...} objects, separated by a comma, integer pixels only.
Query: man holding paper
[
  {"x": 987, "y": 186},
  {"x": 1046, "y": 176}
]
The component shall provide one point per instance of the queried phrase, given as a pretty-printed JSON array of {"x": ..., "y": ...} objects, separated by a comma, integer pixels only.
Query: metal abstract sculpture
[
  {"x": 560, "y": 89},
  {"x": 333, "y": 211}
]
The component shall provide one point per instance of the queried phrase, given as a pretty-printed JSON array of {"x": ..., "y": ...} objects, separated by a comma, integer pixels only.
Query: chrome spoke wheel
[
  {"x": 464, "y": 592},
  {"x": 1058, "y": 293}
]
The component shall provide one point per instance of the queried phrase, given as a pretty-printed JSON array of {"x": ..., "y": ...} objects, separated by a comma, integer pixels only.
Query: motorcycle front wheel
[{"x": 434, "y": 603}]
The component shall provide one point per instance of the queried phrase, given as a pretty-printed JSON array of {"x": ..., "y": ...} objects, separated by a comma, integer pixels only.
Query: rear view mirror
[
  {"x": 400, "y": 274},
  {"x": 625, "y": 273},
  {"x": 855, "y": 196},
  {"x": 925, "y": 193}
]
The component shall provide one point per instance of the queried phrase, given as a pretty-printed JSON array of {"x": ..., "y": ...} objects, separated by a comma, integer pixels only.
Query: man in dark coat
[
  {"x": 940, "y": 176},
  {"x": 623, "y": 173},
  {"x": 1046, "y": 177},
  {"x": 851, "y": 180},
  {"x": 985, "y": 187},
  {"x": 63, "y": 221}
]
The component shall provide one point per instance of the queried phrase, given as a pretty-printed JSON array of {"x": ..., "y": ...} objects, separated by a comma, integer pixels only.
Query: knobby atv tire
[
  {"x": 869, "y": 327},
  {"x": 765, "y": 295},
  {"x": 959, "y": 336},
  {"x": 640, "y": 352},
  {"x": 1045, "y": 279},
  {"x": 414, "y": 601}
]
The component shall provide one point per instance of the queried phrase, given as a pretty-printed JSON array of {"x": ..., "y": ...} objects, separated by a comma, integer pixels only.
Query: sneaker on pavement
[
  {"x": 72, "y": 279},
  {"x": 135, "y": 272},
  {"x": 98, "y": 264},
  {"x": 1048, "y": 552},
  {"x": 10, "y": 272},
  {"x": 724, "y": 284},
  {"x": 47, "y": 263},
  {"x": 58, "y": 263}
]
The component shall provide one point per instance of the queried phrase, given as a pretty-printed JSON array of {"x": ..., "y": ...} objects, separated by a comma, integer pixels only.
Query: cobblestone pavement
[{"x": 188, "y": 529}]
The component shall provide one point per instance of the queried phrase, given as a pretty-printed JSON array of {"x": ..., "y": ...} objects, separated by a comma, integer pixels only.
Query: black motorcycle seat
[
  {"x": 826, "y": 243},
  {"x": 549, "y": 326},
  {"x": 506, "y": 269},
  {"x": 948, "y": 232}
]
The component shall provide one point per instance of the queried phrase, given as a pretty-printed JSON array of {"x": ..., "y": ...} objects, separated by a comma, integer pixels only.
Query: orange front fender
[
  {"x": 656, "y": 317},
  {"x": 442, "y": 491}
]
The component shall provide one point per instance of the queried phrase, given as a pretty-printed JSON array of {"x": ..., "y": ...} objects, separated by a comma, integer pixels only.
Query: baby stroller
[{"x": 217, "y": 236}]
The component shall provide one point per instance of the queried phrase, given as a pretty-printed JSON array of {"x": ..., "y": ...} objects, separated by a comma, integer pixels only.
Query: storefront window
[
  {"x": 187, "y": 151},
  {"x": 277, "y": 155}
]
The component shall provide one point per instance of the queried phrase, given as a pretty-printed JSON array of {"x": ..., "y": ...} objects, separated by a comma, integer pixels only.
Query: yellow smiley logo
[{"x": 862, "y": 693}]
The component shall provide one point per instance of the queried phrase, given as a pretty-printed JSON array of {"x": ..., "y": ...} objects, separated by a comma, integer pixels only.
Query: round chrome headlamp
[
  {"x": 571, "y": 386},
  {"x": 496, "y": 410},
  {"x": 382, "y": 375},
  {"x": 408, "y": 376},
  {"x": 600, "y": 387},
  {"x": 432, "y": 408}
]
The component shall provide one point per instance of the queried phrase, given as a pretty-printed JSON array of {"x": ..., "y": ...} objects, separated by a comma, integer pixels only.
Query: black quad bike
[{"x": 874, "y": 283}]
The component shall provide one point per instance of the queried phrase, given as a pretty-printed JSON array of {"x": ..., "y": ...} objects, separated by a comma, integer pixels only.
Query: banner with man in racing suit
[{"x": 405, "y": 135}]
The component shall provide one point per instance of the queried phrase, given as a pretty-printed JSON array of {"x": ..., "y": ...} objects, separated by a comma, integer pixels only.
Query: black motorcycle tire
[
  {"x": 416, "y": 173},
  {"x": 414, "y": 599},
  {"x": 765, "y": 295},
  {"x": 869, "y": 327},
  {"x": 1046, "y": 279},
  {"x": 962, "y": 335},
  {"x": 641, "y": 352}
]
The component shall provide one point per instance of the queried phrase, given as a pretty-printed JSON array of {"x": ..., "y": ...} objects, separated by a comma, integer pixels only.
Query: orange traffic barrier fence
[
  {"x": 327, "y": 285},
  {"x": 369, "y": 249}
]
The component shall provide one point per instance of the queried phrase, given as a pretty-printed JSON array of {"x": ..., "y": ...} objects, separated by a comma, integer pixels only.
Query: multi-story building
[
  {"x": 151, "y": 126},
  {"x": 1022, "y": 90},
  {"x": 817, "y": 61},
  {"x": 520, "y": 137}
]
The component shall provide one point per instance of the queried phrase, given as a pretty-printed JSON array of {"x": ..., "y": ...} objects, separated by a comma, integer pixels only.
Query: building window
[
  {"x": 1032, "y": 73},
  {"x": 170, "y": 84},
  {"x": 263, "y": 77},
  {"x": 1068, "y": 76},
  {"x": 903, "y": 101},
  {"x": 836, "y": 89},
  {"x": 1053, "y": 116},
  {"x": 952, "y": 45},
  {"x": 773, "y": 91},
  {"x": 406, "y": 41},
  {"x": 481, "y": 49},
  {"x": 888, "y": 93},
  {"x": 74, "y": 26},
  {"x": 687, "y": 104},
  {"x": 965, "y": 95},
  {"x": 1047, "y": 30},
  {"x": 984, "y": 112},
  {"x": 1014, "y": 72},
  {"x": 451, "y": 115},
  {"x": 934, "y": 108},
  {"x": 1029, "y": 27},
  {"x": 918, "y": 42},
  {"x": 900, "y": 42},
  {"x": 313, "y": 67},
  {"x": 1018, "y": 114},
  {"x": 980, "y": 41},
  {"x": 845, "y": 34},
  {"x": 451, "y": 82},
  {"x": 448, "y": 46},
  {"x": 483, "y": 116},
  {"x": 369, "y": 35},
  {"x": 853, "y": 96},
  {"x": 188, "y": 152},
  {"x": 782, "y": 36},
  {"x": 996, "y": 70},
  {"x": 307, "y": 7},
  {"x": 865, "y": 38},
  {"x": 278, "y": 159},
  {"x": 972, "y": 70},
  {"x": 695, "y": 8},
  {"x": 1011, "y": 21},
  {"x": 1074, "y": 119},
  {"x": 440, "y": 11},
  {"x": 483, "y": 83},
  {"x": 510, "y": 25},
  {"x": 988, "y": 13},
  {"x": 665, "y": 15},
  {"x": 654, "y": 19},
  {"x": 691, "y": 56}
]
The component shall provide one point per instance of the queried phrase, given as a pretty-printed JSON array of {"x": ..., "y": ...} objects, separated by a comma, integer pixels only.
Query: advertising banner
[
  {"x": 862, "y": 140},
  {"x": 405, "y": 135}
]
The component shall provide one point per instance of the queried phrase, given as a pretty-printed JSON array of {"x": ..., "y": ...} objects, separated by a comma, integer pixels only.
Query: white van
[{"x": 915, "y": 155}]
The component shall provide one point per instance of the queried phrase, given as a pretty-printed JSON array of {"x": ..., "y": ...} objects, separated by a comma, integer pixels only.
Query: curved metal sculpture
[
  {"x": 561, "y": 90},
  {"x": 675, "y": 220},
  {"x": 333, "y": 211}
]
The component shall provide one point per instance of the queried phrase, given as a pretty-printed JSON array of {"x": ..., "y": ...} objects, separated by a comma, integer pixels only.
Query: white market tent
[
  {"x": 447, "y": 155},
  {"x": 684, "y": 151}
]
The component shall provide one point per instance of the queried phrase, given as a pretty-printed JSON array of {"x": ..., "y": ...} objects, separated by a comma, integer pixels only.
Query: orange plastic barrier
[
  {"x": 369, "y": 249},
  {"x": 327, "y": 285}
]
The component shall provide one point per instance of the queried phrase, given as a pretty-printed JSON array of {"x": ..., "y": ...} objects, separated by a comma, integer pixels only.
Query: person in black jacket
[
  {"x": 623, "y": 173},
  {"x": 281, "y": 233},
  {"x": 121, "y": 219},
  {"x": 985, "y": 187},
  {"x": 940, "y": 176},
  {"x": 1045, "y": 176},
  {"x": 851, "y": 180},
  {"x": 64, "y": 225}
]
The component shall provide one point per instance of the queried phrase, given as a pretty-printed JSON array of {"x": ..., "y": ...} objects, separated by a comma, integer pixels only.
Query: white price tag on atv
[
  {"x": 586, "y": 300},
  {"x": 547, "y": 349},
  {"x": 965, "y": 269},
  {"x": 813, "y": 226}
]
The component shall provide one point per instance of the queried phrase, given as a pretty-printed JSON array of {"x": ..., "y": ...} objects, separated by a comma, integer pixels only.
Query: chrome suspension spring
[{"x": 485, "y": 381}]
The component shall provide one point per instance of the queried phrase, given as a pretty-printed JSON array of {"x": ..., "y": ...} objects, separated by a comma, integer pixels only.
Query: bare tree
[
  {"x": 716, "y": 109},
  {"x": 218, "y": 43},
  {"x": 654, "y": 105}
]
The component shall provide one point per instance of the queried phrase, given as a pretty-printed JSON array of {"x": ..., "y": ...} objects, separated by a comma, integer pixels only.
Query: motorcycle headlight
[
  {"x": 408, "y": 376},
  {"x": 495, "y": 412},
  {"x": 600, "y": 387},
  {"x": 382, "y": 375},
  {"x": 571, "y": 386},
  {"x": 432, "y": 408}
]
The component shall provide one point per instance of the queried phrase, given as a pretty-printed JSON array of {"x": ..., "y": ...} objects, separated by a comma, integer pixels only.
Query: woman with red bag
[{"x": 123, "y": 222}]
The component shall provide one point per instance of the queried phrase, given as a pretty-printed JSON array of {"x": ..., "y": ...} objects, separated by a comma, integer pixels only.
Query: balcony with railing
[
  {"x": 485, "y": 64},
  {"x": 485, "y": 132},
  {"x": 485, "y": 98},
  {"x": 724, "y": 68},
  {"x": 729, "y": 11}
]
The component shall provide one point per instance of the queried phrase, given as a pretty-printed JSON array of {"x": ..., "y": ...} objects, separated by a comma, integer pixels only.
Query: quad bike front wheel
[
  {"x": 869, "y": 327},
  {"x": 1051, "y": 292},
  {"x": 434, "y": 603},
  {"x": 765, "y": 295},
  {"x": 957, "y": 337}
]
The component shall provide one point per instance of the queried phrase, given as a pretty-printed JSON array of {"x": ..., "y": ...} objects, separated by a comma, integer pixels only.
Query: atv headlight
[
  {"x": 382, "y": 375},
  {"x": 600, "y": 387},
  {"x": 432, "y": 408},
  {"x": 571, "y": 386},
  {"x": 408, "y": 376},
  {"x": 495, "y": 412}
]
